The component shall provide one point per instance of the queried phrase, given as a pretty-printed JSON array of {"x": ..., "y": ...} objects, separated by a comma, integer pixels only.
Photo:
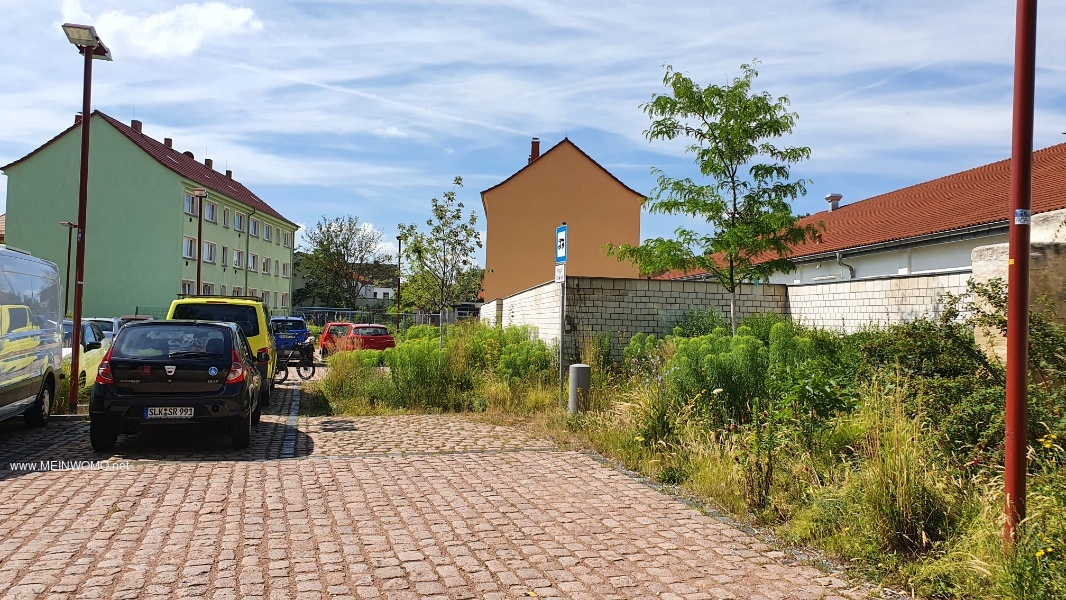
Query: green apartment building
[{"x": 141, "y": 244}]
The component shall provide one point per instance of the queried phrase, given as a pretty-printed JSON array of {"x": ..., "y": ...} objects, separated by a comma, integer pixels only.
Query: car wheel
[
  {"x": 257, "y": 414},
  {"x": 37, "y": 415},
  {"x": 103, "y": 434},
  {"x": 242, "y": 431}
]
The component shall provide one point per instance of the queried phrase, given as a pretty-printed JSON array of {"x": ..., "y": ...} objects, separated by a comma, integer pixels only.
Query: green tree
[
  {"x": 442, "y": 268},
  {"x": 342, "y": 257},
  {"x": 746, "y": 199}
]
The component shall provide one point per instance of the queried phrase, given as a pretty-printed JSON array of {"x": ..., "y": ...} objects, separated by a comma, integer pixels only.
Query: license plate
[
  {"x": 168, "y": 412},
  {"x": 287, "y": 336}
]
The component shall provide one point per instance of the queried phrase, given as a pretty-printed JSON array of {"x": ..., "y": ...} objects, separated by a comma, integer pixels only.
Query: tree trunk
[{"x": 733, "y": 309}]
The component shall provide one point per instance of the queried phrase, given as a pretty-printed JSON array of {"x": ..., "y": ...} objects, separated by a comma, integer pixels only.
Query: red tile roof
[
  {"x": 971, "y": 198},
  {"x": 179, "y": 163}
]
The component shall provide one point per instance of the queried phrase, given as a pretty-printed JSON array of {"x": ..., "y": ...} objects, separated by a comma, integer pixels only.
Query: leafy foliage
[
  {"x": 746, "y": 202},
  {"x": 441, "y": 259},
  {"x": 342, "y": 257}
]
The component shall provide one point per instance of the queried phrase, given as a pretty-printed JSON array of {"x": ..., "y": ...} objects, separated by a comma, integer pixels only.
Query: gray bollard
[{"x": 580, "y": 378}]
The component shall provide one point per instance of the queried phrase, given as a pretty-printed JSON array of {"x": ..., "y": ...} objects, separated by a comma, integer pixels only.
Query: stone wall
[
  {"x": 851, "y": 305},
  {"x": 1047, "y": 276},
  {"x": 623, "y": 307},
  {"x": 538, "y": 307}
]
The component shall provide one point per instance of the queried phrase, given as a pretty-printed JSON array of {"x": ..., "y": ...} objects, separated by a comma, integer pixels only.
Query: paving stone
[{"x": 424, "y": 506}]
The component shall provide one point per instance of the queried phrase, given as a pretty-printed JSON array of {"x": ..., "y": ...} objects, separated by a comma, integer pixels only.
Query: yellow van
[
  {"x": 30, "y": 339},
  {"x": 250, "y": 314}
]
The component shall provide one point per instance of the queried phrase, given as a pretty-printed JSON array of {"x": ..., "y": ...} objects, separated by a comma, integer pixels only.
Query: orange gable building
[{"x": 562, "y": 185}]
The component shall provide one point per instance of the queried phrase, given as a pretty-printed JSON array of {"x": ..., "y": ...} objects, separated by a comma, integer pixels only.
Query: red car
[{"x": 354, "y": 336}]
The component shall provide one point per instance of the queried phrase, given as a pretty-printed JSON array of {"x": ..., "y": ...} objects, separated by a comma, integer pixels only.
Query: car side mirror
[
  {"x": 263, "y": 357},
  {"x": 92, "y": 346}
]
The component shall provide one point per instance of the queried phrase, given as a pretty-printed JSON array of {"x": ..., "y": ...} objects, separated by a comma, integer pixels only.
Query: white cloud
[{"x": 175, "y": 33}]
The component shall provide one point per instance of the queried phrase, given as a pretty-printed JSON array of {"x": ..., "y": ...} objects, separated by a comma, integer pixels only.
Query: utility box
[{"x": 580, "y": 381}]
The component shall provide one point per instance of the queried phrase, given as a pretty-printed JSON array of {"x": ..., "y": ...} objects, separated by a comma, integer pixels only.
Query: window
[
  {"x": 277, "y": 238},
  {"x": 266, "y": 265},
  {"x": 285, "y": 270},
  {"x": 209, "y": 289},
  {"x": 252, "y": 292},
  {"x": 211, "y": 212},
  {"x": 187, "y": 287},
  {"x": 375, "y": 294},
  {"x": 238, "y": 259},
  {"x": 276, "y": 268},
  {"x": 266, "y": 297},
  {"x": 276, "y": 294},
  {"x": 253, "y": 227},
  {"x": 238, "y": 221},
  {"x": 209, "y": 252},
  {"x": 225, "y": 217},
  {"x": 188, "y": 247},
  {"x": 237, "y": 290},
  {"x": 223, "y": 292},
  {"x": 288, "y": 241},
  {"x": 253, "y": 262},
  {"x": 267, "y": 230},
  {"x": 385, "y": 295},
  {"x": 284, "y": 300},
  {"x": 191, "y": 204},
  {"x": 225, "y": 257}
]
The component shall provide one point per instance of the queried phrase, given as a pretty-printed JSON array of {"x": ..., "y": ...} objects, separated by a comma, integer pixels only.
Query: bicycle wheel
[
  {"x": 281, "y": 374},
  {"x": 306, "y": 371}
]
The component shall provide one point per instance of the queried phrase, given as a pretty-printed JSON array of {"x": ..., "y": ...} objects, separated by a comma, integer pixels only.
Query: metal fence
[{"x": 322, "y": 315}]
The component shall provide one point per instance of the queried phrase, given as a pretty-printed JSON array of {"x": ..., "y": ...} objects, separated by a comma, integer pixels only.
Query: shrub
[
  {"x": 760, "y": 324},
  {"x": 698, "y": 322},
  {"x": 722, "y": 374}
]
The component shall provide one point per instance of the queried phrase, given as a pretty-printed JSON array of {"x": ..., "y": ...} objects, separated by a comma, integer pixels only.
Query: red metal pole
[
  {"x": 83, "y": 198},
  {"x": 1021, "y": 174}
]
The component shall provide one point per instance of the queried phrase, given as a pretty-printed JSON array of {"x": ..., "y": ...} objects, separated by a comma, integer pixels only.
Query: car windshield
[
  {"x": 338, "y": 330},
  {"x": 284, "y": 325},
  {"x": 170, "y": 341},
  {"x": 243, "y": 315},
  {"x": 105, "y": 324}
]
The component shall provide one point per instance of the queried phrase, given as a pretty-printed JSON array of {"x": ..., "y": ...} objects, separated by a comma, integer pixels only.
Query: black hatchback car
[{"x": 175, "y": 372}]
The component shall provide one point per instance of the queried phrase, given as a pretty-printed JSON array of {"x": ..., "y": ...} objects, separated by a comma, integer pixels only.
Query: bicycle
[{"x": 302, "y": 356}]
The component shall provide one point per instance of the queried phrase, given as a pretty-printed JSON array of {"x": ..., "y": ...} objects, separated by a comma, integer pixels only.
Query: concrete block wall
[
  {"x": 623, "y": 307},
  {"x": 851, "y": 305},
  {"x": 539, "y": 307},
  {"x": 487, "y": 313}
]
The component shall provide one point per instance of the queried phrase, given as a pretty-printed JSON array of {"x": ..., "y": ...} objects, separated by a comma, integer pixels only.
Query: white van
[{"x": 31, "y": 351}]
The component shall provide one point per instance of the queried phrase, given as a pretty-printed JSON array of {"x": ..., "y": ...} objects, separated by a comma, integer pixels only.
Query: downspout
[
  {"x": 247, "y": 249},
  {"x": 840, "y": 261}
]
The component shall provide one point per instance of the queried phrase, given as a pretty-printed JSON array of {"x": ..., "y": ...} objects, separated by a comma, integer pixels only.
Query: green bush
[
  {"x": 418, "y": 332},
  {"x": 698, "y": 322},
  {"x": 721, "y": 374},
  {"x": 526, "y": 360}
]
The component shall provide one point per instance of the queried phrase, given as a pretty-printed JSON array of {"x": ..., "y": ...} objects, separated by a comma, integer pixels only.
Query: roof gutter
[{"x": 943, "y": 237}]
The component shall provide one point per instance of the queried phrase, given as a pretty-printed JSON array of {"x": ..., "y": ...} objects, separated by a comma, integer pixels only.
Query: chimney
[
  {"x": 229, "y": 174},
  {"x": 168, "y": 142},
  {"x": 210, "y": 164},
  {"x": 136, "y": 125},
  {"x": 534, "y": 150},
  {"x": 834, "y": 201},
  {"x": 77, "y": 118},
  {"x": 189, "y": 154}
]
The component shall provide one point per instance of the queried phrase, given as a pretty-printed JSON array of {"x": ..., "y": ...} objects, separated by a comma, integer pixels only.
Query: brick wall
[
  {"x": 538, "y": 306},
  {"x": 851, "y": 305}
]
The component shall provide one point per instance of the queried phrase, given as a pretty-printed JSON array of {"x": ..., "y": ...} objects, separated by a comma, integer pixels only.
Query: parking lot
[{"x": 378, "y": 507}]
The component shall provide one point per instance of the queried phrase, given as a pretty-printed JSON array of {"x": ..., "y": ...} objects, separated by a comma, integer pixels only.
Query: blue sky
[{"x": 335, "y": 107}]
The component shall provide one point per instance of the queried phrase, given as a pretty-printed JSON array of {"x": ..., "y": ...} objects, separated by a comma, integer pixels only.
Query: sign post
[{"x": 560, "y": 277}]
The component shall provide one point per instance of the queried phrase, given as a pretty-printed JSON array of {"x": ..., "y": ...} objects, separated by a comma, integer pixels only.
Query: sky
[{"x": 326, "y": 108}]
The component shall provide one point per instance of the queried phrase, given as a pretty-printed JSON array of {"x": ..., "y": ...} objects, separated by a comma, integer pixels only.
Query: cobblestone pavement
[{"x": 385, "y": 507}]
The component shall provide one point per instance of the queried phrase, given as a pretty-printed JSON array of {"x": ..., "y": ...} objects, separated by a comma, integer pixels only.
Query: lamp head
[{"x": 85, "y": 38}]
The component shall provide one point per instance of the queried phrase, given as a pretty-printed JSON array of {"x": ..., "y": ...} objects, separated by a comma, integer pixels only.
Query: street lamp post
[
  {"x": 91, "y": 47},
  {"x": 66, "y": 283}
]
